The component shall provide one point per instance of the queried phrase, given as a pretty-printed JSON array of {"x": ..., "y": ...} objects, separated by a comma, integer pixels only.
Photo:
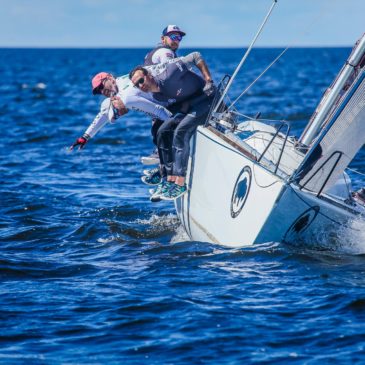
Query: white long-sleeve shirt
[{"x": 135, "y": 99}]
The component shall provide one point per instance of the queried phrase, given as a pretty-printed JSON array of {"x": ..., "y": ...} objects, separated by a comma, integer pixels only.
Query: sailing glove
[
  {"x": 209, "y": 88},
  {"x": 81, "y": 142}
]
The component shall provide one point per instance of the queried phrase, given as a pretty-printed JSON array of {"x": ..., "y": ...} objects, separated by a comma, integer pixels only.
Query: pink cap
[{"x": 97, "y": 80}]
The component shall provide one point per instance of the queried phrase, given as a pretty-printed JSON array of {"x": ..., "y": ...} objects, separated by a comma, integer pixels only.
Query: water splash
[
  {"x": 180, "y": 235},
  {"x": 352, "y": 237},
  {"x": 346, "y": 239},
  {"x": 163, "y": 221}
]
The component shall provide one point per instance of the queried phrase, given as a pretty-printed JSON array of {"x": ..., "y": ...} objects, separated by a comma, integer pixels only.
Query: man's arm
[
  {"x": 191, "y": 60},
  {"x": 196, "y": 59},
  {"x": 99, "y": 122},
  {"x": 140, "y": 103}
]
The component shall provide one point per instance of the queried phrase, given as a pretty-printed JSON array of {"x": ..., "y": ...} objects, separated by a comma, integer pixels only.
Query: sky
[{"x": 208, "y": 23}]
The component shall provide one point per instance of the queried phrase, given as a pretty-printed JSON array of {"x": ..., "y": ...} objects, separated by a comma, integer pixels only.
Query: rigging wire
[
  {"x": 245, "y": 55},
  {"x": 355, "y": 171},
  {"x": 258, "y": 77},
  {"x": 305, "y": 31}
]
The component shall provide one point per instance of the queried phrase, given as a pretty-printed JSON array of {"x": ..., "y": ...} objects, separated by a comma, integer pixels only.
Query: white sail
[
  {"x": 334, "y": 92},
  {"x": 342, "y": 131}
]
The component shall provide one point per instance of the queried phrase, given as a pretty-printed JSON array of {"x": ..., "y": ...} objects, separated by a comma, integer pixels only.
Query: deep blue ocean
[{"x": 91, "y": 272}]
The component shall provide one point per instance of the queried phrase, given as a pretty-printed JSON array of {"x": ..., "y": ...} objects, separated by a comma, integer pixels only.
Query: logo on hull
[
  {"x": 240, "y": 191},
  {"x": 301, "y": 224}
]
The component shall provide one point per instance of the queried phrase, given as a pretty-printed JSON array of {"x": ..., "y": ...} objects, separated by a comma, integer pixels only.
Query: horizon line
[{"x": 180, "y": 48}]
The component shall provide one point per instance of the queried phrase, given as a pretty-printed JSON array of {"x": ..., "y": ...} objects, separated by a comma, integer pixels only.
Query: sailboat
[{"x": 266, "y": 185}]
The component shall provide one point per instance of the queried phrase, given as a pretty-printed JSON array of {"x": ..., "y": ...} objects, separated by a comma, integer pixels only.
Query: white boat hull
[{"x": 234, "y": 201}]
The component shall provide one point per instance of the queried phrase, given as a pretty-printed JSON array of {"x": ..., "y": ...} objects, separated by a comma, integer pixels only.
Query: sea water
[{"x": 91, "y": 272}]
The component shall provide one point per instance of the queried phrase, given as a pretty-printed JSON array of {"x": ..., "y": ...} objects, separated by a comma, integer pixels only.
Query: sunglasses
[
  {"x": 139, "y": 82},
  {"x": 175, "y": 37}
]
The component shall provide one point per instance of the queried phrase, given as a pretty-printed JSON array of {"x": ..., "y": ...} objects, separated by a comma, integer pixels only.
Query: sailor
[
  {"x": 359, "y": 196},
  {"x": 122, "y": 96},
  {"x": 164, "y": 51},
  {"x": 179, "y": 84}
]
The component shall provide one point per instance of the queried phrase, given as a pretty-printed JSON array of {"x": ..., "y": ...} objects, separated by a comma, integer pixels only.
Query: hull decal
[
  {"x": 240, "y": 191},
  {"x": 301, "y": 223}
]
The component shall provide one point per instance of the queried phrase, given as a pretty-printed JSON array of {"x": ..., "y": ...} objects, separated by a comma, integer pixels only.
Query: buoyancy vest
[{"x": 149, "y": 55}]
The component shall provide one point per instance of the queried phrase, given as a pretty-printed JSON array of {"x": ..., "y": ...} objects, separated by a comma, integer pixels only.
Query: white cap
[{"x": 171, "y": 29}]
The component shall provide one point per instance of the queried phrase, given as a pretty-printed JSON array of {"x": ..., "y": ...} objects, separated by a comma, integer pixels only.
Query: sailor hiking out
[
  {"x": 168, "y": 86},
  {"x": 179, "y": 85}
]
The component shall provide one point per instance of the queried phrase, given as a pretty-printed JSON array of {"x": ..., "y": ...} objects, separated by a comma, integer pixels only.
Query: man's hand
[
  {"x": 118, "y": 106},
  {"x": 81, "y": 142},
  {"x": 209, "y": 88}
]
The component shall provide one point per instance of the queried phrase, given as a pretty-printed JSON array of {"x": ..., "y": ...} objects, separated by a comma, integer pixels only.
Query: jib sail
[{"x": 340, "y": 119}]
